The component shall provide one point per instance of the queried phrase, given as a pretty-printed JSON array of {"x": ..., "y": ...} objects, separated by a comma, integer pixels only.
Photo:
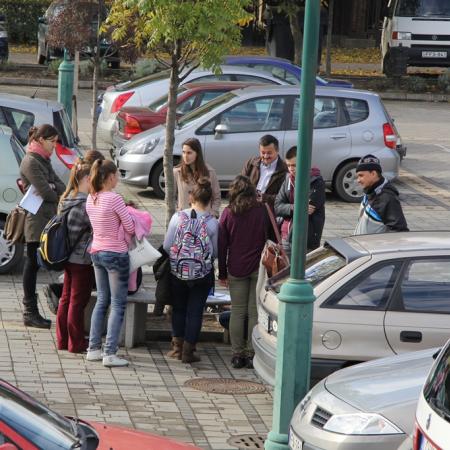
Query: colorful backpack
[{"x": 190, "y": 256}]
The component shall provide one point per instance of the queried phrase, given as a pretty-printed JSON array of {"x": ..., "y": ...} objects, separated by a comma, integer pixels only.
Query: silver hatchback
[{"x": 348, "y": 124}]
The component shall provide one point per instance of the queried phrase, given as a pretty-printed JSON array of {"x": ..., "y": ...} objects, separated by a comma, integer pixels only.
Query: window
[
  {"x": 253, "y": 79},
  {"x": 423, "y": 8},
  {"x": 277, "y": 72},
  {"x": 358, "y": 110},
  {"x": 64, "y": 127},
  {"x": 213, "y": 78},
  {"x": 186, "y": 105},
  {"x": 3, "y": 119},
  {"x": 325, "y": 113},
  {"x": 209, "y": 95},
  {"x": 370, "y": 290},
  {"x": 20, "y": 122},
  {"x": 426, "y": 286},
  {"x": 260, "y": 114}
]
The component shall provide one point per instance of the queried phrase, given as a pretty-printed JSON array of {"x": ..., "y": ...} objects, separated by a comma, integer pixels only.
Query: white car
[
  {"x": 145, "y": 90},
  {"x": 369, "y": 406},
  {"x": 433, "y": 410}
]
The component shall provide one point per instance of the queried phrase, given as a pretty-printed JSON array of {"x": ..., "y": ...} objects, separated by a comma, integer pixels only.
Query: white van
[
  {"x": 415, "y": 33},
  {"x": 432, "y": 431}
]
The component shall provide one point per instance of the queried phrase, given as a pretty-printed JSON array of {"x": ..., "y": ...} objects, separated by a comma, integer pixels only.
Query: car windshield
[
  {"x": 196, "y": 113},
  {"x": 437, "y": 387},
  {"x": 133, "y": 84},
  {"x": 29, "y": 417},
  {"x": 423, "y": 8},
  {"x": 162, "y": 101},
  {"x": 320, "y": 264}
]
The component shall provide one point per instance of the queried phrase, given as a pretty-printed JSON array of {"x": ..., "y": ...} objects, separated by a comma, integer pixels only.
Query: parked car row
[{"x": 348, "y": 124}]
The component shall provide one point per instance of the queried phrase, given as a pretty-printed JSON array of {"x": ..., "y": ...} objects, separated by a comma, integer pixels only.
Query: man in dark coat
[
  {"x": 380, "y": 209},
  {"x": 266, "y": 171},
  {"x": 284, "y": 204}
]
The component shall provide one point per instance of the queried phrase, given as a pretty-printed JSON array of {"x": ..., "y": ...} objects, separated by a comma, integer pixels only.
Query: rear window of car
[
  {"x": 357, "y": 110},
  {"x": 162, "y": 101},
  {"x": 142, "y": 81},
  {"x": 320, "y": 265},
  {"x": 19, "y": 121},
  {"x": 437, "y": 387}
]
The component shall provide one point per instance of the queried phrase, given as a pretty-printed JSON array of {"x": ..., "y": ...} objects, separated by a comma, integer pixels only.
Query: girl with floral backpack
[{"x": 191, "y": 242}]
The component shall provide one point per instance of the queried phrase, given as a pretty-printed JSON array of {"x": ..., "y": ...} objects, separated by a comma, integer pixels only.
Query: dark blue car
[{"x": 281, "y": 68}]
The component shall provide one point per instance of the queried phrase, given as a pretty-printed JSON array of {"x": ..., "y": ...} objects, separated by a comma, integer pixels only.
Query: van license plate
[{"x": 434, "y": 54}]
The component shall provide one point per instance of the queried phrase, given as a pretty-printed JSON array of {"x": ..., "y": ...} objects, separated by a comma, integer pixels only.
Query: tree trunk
[
  {"x": 329, "y": 36},
  {"x": 297, "y": 36},
  {"x": 170, "y": 137}
]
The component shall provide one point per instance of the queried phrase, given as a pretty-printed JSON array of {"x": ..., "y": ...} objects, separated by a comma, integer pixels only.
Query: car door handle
[
  {"x": 411, "y": 336},
  {"x": 338, "y": 136}
]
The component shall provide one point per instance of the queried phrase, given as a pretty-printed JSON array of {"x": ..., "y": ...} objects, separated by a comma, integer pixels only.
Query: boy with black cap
[{"x": 380, "y": 209}]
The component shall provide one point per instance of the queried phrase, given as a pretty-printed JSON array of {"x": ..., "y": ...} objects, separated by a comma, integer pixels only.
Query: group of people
[{"x": 101, "y": 224}]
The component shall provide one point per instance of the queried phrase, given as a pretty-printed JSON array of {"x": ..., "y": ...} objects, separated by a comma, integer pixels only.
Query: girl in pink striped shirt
[{"x": 107, "y": 212}]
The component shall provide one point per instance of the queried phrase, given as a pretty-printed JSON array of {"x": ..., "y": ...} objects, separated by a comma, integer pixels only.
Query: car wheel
[
  {"x": 10, "y": 254},
  {"x": 345, "y": 184},
  {"x": 157, "y": 180}
]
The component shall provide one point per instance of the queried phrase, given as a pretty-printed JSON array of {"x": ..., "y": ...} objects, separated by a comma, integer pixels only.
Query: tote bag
[
  {"x": 142, "y": 253},
  {"x": 15, "y": 225}
]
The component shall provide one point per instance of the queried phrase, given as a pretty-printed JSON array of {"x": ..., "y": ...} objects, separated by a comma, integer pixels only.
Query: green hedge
[{"x": 22, "y": 18}]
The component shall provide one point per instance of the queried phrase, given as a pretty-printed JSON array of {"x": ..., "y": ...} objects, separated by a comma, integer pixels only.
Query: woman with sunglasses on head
[{"x": 36, "y": 170}]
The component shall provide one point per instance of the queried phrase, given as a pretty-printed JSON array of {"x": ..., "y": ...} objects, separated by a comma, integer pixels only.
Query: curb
[
  {"x": 392, "y": 95},
  {"x": 43, "y": 82}
]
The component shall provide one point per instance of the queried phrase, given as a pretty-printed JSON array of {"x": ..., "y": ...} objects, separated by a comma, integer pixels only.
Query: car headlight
[
  {"x": 361, "y": 423},
  {"x": 403, "y": 36},
  {"x": 143, "y": 148}
]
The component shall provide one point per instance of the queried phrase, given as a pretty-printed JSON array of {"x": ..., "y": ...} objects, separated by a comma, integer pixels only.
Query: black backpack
[{"x": 54, "y": 246}]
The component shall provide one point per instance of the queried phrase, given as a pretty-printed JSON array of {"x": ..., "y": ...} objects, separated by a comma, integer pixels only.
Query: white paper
[{"x": 31, "y": 201}]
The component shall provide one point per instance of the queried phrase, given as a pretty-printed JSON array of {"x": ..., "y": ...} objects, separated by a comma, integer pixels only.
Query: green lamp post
[
  {"x": 296, "y": 298},
  {"x": 65, "y": 83}
]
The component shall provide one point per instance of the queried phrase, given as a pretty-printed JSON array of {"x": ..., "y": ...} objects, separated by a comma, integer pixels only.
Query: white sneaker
[
  {"x": 94, "y": 355},
  {"x": 114, "y": 361}
]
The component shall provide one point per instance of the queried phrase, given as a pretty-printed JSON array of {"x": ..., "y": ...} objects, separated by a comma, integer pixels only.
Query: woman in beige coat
[{"x": 191, "y": 168}]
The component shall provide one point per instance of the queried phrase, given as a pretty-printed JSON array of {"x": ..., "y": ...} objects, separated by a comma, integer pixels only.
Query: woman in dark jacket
[
  {"x": 284, "y": 204},
  {"x": 243, "y": 229},
  {"x": 36, "y": 170},
  {"x": 78, "y": 272}
]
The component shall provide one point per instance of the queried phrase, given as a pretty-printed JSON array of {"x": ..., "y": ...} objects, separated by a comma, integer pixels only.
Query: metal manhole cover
[
  {"x": 225, "y": 386},
  {"x": 247, "y": 441}
]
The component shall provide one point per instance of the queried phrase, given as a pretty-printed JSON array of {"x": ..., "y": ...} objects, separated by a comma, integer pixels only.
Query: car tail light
[
  {"x": 395, "y": 35},
  {"x": 120, "y": 101},
  {"x": 390, "y": 136},
  {"x": 131, "y": 127},
  {"x": 65, "y": 155},
  {"x": 20, "y": 185}
]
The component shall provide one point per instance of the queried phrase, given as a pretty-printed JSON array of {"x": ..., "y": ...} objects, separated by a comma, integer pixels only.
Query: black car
[
  {"x": 4, "y": 48},
  {"x": 46, "y": 52}
]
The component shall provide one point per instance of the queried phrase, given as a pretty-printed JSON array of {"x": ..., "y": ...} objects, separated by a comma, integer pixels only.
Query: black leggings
[{"x": 30, "y": 270}]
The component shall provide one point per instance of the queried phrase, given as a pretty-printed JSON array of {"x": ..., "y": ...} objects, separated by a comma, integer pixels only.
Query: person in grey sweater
[
  {"x": 36, "y": 170},
  {"x": 78, "y": 272}
]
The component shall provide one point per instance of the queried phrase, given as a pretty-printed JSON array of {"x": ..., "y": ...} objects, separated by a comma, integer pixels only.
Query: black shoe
[
  {"x": 37, "y": 321},
  {"x": 238, "y": 361},
  {"x": 249, "y": 362},
  {"x": 52, "y": 299}
]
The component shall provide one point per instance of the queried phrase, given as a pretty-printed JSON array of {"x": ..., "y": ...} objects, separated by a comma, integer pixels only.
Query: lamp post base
[{"x": 276, "y": 441}]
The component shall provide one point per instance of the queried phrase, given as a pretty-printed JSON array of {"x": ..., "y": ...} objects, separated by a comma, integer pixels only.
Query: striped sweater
[{"x": 107, "y": 211}]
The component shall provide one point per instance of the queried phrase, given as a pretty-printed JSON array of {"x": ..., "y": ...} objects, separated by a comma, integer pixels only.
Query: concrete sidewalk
[{"x": 148, "y": 395}]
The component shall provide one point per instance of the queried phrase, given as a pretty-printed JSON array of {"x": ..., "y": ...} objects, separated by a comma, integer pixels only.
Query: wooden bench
[{"x": 133, "y": 328}]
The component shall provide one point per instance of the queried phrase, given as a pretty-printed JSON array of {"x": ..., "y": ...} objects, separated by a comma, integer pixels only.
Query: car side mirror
[{"x": 219, "y": 130}]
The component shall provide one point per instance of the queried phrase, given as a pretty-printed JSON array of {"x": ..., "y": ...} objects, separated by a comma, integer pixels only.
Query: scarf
[{"x": 35, "y": 147}]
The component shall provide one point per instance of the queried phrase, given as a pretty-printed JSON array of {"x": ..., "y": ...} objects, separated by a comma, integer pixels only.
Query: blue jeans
[
  {"x": 111, "y": 276},
  {"x": 189, "y": 298}
]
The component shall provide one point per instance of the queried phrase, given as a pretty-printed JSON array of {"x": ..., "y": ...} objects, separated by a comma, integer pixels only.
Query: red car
[
  {"x": 133, "y": 120},
  {"x": 26, "y": 424}
]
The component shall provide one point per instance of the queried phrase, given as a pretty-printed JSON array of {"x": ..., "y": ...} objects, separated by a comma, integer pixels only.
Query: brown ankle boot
[
  {"x": 188, "y": 353},
  {"x": 177, "y": 348}
]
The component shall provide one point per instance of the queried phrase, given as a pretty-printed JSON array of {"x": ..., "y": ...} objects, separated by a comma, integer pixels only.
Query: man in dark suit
[{"x": 266, "y": 171}]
